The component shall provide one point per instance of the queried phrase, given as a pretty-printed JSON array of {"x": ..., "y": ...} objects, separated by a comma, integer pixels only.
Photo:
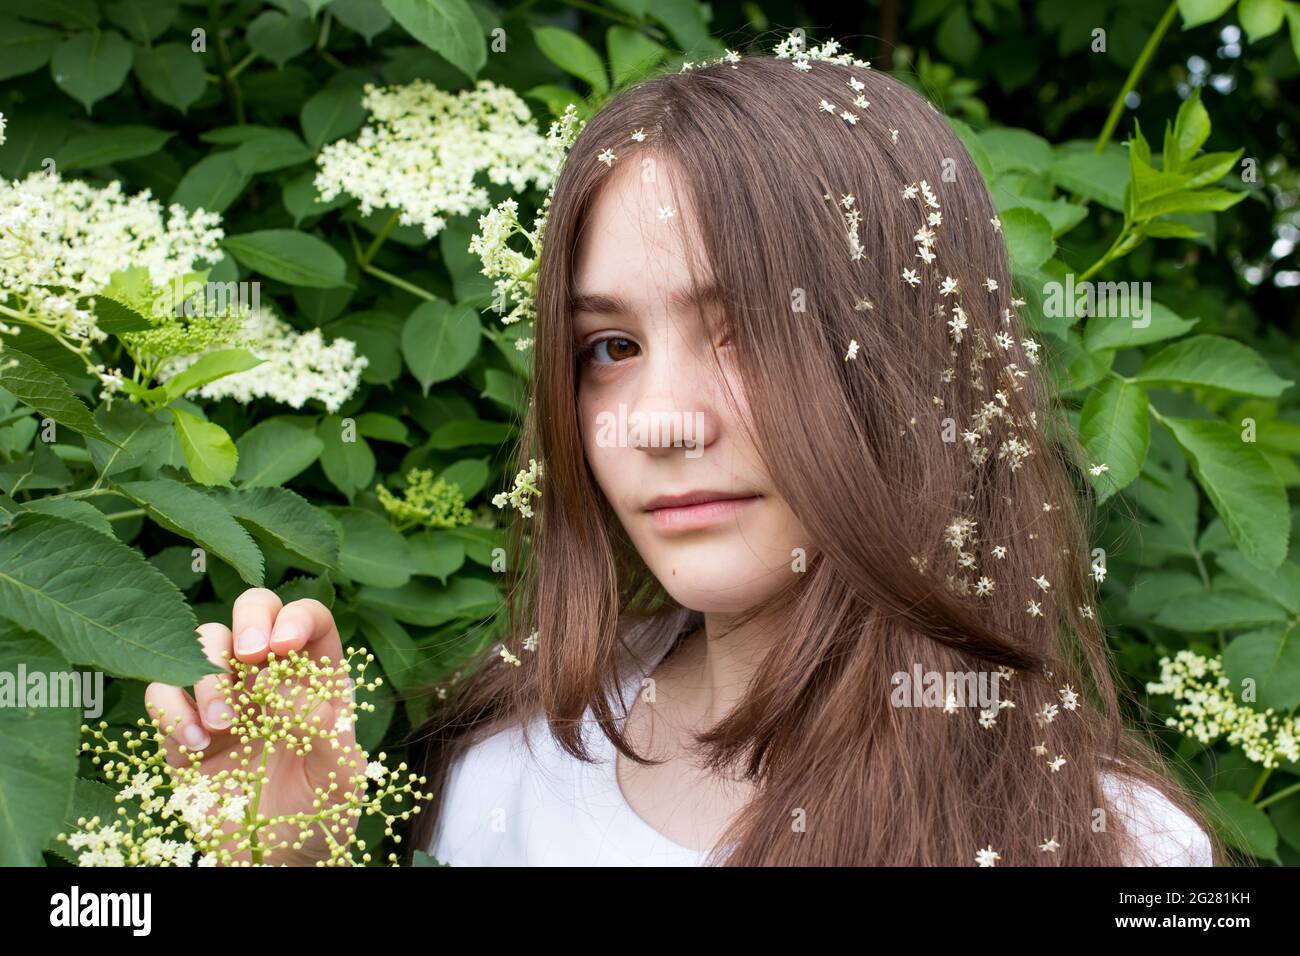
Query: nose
[{"x": 674, "y": 412}]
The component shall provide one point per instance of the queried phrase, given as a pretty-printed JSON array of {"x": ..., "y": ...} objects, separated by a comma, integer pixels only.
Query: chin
[{"x": 720, "y": 577}]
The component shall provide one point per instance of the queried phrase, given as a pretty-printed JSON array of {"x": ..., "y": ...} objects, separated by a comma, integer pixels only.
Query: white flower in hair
[
  {"x": 861, "y": 102},
  {"x": 1069, "y": 697},
  {"x": 849, "y": 118},
  {"x": 948, "y": 286},
  {"x": 1035, "y": 609},
  {"x": 1000, "y": 551},
  {"x": 909, "y": 191},
  {"x": 853, "y": 350},
  {"x": 1042, "y": 582},
  {"x": 988, "y": 718},
  {"x": 987, "y": 857},
  {"x": 1057, "y": 764},
  {"x": 1047, "y": 714},
  {"x": 991, "y": 285},
  {"x": 666, "y": 212},
  {"x": 638, "y": 135},
  {"x": 1096, "y": 470},
  {"x": 607, "y": 157},
  {"x": 856, "y": 85},
  {"x": 911, "y": 278},
  {"x": 997, "y": 224},
  {"x": 1049, "y": 846},
  {"x": 893, "y": 135},
  {"x": 828, "y": 107}
]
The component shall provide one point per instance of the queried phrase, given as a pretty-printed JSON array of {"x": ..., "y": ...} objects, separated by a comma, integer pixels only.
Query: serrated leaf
[
  {"x": 38, "y": 753},
  {"x": 100, "y": 602},
  {"x": 447, "y": 27},
  {"x": 1214, "y": 361},
  {"x": 196, "y": 516},
  {"x": 286, "y": 518},
  {"x": 44, "y": 390},
  {"x": 274, "y": 451},
  {"x": 1115, "y": 429},
  {"x": 210, "y": 455}
]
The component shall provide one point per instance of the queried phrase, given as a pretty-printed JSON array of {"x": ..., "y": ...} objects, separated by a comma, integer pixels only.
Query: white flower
[
  {"x": 911, "y": 278},
  {"x": 666, "y": 212},
  {"x": 1057, "y": 764},
  {"x": 607, "y": 157},
  {"x": 638, "y": 135},
  {"x": 375, "y": 770},
  {"x": 1069, "y": 697},
  {"x": 424, "y": 149},
  {"x": 948, "y": 286},
  {"x": 68, "y": 235},
  {"x": 848, "y": 118},
  {"x": 828, "y": 107},
  {"x": 1096, "y": 470},
  {"x": 997, "y": 224},
  {"x": 1042, "y": 582},
  {"x": 987, "y": 857},
  {"x": 1049, "y": 845},
  {"x": 299, "y": 366},
  {"x": 991, "y": 285},
  {"x": 853, "y": 350}
]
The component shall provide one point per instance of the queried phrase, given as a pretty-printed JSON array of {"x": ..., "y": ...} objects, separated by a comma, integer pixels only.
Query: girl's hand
[{"x": 261, "y": 624}]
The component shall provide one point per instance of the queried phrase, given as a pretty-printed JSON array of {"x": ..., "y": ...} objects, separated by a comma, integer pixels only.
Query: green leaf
[
  {"x": 24, "y": 47},
  {"x": 573, "y": 55},
  {"x": 42, "y": 469},
  {"x": 1029, "y": 239},
  {"x": 209, "y": 453},
  {"x": 632, "y": 54},
  {"x": 90, "y": 798},
  {"x": 371, "y": 552},
  {"x": 1102, "y": 333},
  {"x": 1243, "y": 487},
  {"x": 143, "y": 439},
  {"x": 1219, "y": 609},
  {"x": 1196, "y": 12},
  {"x": 44, "y": 390},
  {"x": 349, "y": 465},
  {"x": 213, "y": 183},
  {"x": 436, "y": 554},
  {"x": 367, "y": 17},
  {"x": 38, "y": 753},
  {"x": 145, "y": 20},
  {"x": 383, "y": 427},
  {"x": 275, "y": 451},
  {"x": 447, "y": 27},
  {"x": 1214, "y": 361},
  {"x": 468, "y": 474},
  {"x": 91, "y": 66},
  {"x": 1115, "y": 429},
  {"x": 74, "y": 510},
  {"x": 428, "y": 605},
  {"x": 1100, "y": 177},
  {"x": 1260, "y": 18},
  {"x": 398, "y": 653},
  {"x": 1271, "y": 658},
  {"x": 100, "y": 602},
  {"x": 109, "y": 144},
  {"x": 439, "y": 340},
  {"x": 296, "y": 258},
  {"x": 1242, "y": 823},
  {"x": 172, "y": 73},
  {"x": 208, "y": 368},
  {"x": 275, "y": 150},
  {"x": 280, "y": 38},
  {"x": 332, "y": 113},
  {"x": 193, "y": 515},
  {"x": 1281, "y": 585},
  {"x": 470, "y": 431},
  {"x": 285, "y": 518}
]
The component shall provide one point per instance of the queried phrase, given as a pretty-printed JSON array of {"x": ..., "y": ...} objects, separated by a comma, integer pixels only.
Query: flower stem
[
  {"x": 1135, "y": 74},
  {"x": 377, "y": 243},
  {"x": 402, "y": 284}
]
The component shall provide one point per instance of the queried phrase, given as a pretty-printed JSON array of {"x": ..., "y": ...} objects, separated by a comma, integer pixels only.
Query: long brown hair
[{"x": 877, "y": 457}]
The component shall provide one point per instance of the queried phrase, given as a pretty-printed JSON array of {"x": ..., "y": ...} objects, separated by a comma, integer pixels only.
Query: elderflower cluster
[
  {"x": 525, "y": 487},
  {"x": 1207, "y": 710},
  {"x": 425, "y": 502},
  {"x": 424, "y": 148},
  {"x": 213, "y": 807},
  {"x": 514, "y": 273},
  {"x": 298, "y": 365},
  {"x": 62, "y": 239},
  {"x": 792, "y": 48}
]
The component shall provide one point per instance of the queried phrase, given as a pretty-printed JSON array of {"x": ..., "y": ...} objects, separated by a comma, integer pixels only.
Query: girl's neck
[{"x": 711, "y": 669}]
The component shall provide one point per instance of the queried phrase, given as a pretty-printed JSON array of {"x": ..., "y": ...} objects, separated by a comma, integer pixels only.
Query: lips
[{"x": 697, "y": 509}]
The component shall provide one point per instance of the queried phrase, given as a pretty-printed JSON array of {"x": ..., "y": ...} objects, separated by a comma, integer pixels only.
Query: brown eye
[{"x": 609, "y": 351}]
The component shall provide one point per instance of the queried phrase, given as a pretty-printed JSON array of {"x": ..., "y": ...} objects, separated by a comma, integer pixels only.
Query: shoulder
[
  {"x": 1162, "y": 834},
  {"x": 486, "y": 784}
]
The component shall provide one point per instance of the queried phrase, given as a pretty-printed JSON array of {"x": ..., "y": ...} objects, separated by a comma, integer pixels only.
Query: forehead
[{"x": 639, "y": 231}]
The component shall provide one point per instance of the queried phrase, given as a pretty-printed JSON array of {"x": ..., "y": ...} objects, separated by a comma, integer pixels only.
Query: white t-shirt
[{"x": 504, "y": 806}]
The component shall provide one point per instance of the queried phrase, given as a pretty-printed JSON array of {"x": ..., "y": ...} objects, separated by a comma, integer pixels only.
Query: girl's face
[{"x": 664, "y": 444}]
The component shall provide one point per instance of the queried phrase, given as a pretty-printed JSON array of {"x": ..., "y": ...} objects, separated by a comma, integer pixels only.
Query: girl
[{"x": 808, "y": 582}]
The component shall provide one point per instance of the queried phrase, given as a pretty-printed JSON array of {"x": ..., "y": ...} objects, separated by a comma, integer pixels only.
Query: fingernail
[
  {"x": 219, "y": 715},
  {"x": 196, "y": 738},
  {"x": 286, "y": 632},
  {"x": 251, "y": 640}
]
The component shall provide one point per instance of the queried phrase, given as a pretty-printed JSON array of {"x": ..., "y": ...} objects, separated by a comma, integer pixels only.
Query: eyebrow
[{"x": 601, "y": 303}]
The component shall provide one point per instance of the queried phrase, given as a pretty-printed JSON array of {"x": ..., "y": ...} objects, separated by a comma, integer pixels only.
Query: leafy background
[{"x": 99, "y": 524}]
